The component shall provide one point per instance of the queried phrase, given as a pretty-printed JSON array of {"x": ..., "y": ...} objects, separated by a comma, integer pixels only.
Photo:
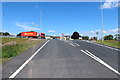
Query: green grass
[
  {"x": 10, "y": 51},
  {"x": 112, "y": 43},
  {"x": 18, "y": 40}
]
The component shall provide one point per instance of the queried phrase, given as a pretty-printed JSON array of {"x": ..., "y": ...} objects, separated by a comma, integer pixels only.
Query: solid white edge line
[
  {"x": 100, "y": 61},
  {"x": 26, "y": 62},
  {"x": 104, "y": 46},
  {"x": 107, "y": 47}
]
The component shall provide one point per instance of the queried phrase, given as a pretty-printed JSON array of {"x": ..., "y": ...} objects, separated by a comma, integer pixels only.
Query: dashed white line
[
  {"x": 77, "y": 44},
  {"x": 26, "y": 62},
  {"x": 100, "y": 61},
  {"x": 71, "y": 44}
]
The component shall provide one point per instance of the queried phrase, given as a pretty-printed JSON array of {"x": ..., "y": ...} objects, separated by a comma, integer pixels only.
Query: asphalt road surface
[{"x": 72, "y": 59}]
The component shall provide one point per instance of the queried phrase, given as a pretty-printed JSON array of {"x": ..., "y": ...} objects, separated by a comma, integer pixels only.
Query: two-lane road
[{"x": 64, "y": 59}]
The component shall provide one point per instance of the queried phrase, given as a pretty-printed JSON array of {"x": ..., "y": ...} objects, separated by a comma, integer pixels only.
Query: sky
[{"x": 55, "y": 18}]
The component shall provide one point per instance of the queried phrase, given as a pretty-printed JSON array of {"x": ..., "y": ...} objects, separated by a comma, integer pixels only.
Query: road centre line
[
  {"x": 27, "y": 61},
  {"x": 77, "y": 44},
  {"x": 100, "y": 61},
  {"x": 71, "y": 44}
]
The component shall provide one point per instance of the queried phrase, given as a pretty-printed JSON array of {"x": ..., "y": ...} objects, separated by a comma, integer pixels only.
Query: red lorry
[
  {"x": 33, "y": 35},
  {"x": 42, "y": 35}
]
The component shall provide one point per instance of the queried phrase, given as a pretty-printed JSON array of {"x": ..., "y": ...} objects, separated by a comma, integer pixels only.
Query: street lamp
[
  {"x": 41, "y": 11},
  {"x": 41, "y": 17},
  {"x": 102, "y": 22}
]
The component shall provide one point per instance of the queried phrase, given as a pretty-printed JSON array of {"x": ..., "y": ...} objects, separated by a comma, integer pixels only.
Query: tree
[
  {"x": 75, "y": 35},
  {"x": 19, "y": 34},
  {"x": 94, "y": 38},
  {"x": 117, "y": 36},
  {"x": 85, "y": 37},
  {"x": 108, "y": 37},
  {"x": 6, "y": 34}
]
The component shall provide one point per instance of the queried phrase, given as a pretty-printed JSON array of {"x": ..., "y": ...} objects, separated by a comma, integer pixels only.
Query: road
[{"x": 70, "y": 59}]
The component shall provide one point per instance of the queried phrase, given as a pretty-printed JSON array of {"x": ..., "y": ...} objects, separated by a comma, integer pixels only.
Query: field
[
  {"x": 112, "y": 43},
  {"x": 11, "y": 47}
]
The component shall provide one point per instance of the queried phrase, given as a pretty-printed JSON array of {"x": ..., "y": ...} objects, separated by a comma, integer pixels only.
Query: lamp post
[
  {"x": 41, "y": 17},
  {"x": 41, "y": 11},
  {"x": 102, "y": 22}
]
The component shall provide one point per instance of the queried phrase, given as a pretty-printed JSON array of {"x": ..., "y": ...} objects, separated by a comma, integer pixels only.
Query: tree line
[
  {"x": 76, "y": 35},
  {"x": 4, "y": 34}
]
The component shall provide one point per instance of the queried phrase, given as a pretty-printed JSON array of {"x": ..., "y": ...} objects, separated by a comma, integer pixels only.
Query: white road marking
[
  {"x": 100, "y": 61},
  {"x": 26, "y": 62},
  {"x": 77, "y": 44},
  {"x": 71, "y": 44},
  {"x": 103, "y": 46},
  {"x": 107, "y": 47}
]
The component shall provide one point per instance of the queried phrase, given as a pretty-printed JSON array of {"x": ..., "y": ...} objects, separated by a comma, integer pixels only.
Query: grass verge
[
  {"x": 10, "y": 51},
  {"x": 112, "y": 43}
]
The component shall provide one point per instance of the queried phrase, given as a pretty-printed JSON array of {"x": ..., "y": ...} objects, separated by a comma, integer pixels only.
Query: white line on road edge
[
  {"x": 100, "y": 61},
  {"x": 104, "y": 46},
  {"x": 71, "y": 44},
  {"x": 26, "y": 62},
  {"x": 107, "y": 47}
]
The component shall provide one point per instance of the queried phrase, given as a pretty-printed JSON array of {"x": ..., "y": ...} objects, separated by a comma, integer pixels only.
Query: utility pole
[{"x": 102, "y": 22}]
